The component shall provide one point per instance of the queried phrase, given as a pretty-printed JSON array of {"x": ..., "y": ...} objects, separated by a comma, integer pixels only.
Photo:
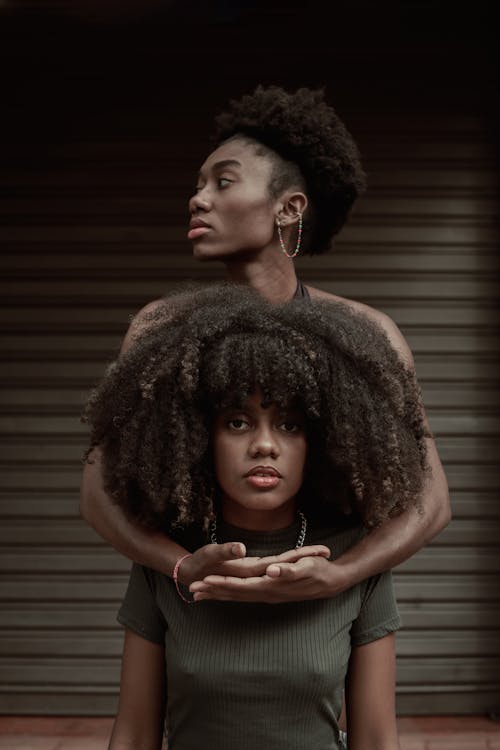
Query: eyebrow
[{"x": 223, "y": 163}]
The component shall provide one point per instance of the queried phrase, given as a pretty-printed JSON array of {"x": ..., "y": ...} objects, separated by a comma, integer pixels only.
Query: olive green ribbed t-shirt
[{"x": 258, "y": 676}]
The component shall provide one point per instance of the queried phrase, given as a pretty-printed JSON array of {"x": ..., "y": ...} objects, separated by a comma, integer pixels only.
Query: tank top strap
[{"x": 301, "y": 292}]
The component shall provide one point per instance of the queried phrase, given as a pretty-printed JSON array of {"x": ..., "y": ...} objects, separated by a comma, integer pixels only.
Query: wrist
[
  {"x": 340, "y": 577},
  {"x": 177, "y": 578}
]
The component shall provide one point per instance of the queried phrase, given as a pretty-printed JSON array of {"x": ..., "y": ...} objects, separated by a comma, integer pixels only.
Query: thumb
[{"x": 227, "y": 551}]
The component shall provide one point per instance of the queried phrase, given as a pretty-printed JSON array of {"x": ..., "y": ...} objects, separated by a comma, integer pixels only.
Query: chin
[{"x": 206, "y": 254}]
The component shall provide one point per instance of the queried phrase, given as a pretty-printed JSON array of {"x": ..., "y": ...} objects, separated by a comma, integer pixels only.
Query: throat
[{"x": 274, "y": 281}]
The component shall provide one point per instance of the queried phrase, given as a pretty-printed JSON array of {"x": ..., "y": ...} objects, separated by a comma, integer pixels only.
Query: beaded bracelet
[{"x": 174, "y": 576}]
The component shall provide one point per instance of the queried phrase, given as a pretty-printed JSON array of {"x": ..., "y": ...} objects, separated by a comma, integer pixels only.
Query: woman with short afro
[
  {"x": 282, "y": 179},
  {"x": 236, "y": 420}
]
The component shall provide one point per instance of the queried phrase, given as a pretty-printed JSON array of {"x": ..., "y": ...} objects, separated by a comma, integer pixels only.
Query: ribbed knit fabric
[{"x": 258, "y": 676}]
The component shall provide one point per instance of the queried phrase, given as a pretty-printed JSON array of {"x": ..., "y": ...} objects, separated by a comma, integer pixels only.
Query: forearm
[
  {"x": 398, "y": 538},
  {"x": 125, "y": 738},
  {"x": 132, "y": 744},
  {"x": 136, "y": 542}
]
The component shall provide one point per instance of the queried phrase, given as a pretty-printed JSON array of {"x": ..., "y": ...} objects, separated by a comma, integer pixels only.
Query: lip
[
  {"x": 196, "y": 223},
  {"x": 265, "y": 471},
  {"x": 197, "y": 228}
]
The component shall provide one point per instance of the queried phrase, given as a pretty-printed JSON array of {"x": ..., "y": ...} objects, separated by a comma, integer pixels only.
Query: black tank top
[{"x": 301, "y": 292}]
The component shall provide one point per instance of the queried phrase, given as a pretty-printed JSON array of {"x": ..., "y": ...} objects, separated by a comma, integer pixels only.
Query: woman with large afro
[
  {"x": 270, "y": 427},
  {"x": 282, "y": 178}
]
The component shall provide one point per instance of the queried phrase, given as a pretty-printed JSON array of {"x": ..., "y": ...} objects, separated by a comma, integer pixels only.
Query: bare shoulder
[
  {"x": 140, "y": 321},
  {"x": 384, "y": 321}
]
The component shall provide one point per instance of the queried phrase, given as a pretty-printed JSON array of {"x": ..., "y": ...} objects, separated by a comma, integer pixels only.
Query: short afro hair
[
  {"x": 307, "y": 134},
  {"x": 206, "y": 349}
]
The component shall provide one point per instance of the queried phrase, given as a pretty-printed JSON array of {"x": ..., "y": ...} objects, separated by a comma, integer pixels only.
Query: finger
[
  {"x": 293, "y": 555},
  {"x": 245, "y": 567},
  {"x": 227, "y": 551},
  {"x": 227, "y": 582},
  {"x": 290, "y": 571}
]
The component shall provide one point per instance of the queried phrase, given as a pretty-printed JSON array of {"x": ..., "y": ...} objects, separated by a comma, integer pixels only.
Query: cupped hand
[
  {"x": 308, "y": 577},
  {"x": 210, "y": 559},
  {"x": 229, "y": 560}
]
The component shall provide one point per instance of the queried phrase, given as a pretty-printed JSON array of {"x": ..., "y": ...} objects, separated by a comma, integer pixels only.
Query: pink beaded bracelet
[{"x": 174, "y": 576}]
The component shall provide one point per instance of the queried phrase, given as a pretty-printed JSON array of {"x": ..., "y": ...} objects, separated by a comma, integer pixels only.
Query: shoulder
[
  {"x": 140, "y": 322},
  {"x": 383, "y": 320}
]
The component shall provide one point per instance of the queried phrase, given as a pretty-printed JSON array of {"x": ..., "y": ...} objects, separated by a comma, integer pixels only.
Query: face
[
  {"x": 260, "y": 455},
  {"x": 232, "y": 212}
]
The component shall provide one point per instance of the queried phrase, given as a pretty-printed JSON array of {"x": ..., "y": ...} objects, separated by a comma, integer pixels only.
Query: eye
[
  {"x": 223, "y": 182},
  {"x": 237, "y": 424},
  {"x": 289, "y": 426}
]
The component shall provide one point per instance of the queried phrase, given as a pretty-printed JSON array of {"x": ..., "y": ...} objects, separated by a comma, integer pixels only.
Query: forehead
[{"x": 249, "y": 162}]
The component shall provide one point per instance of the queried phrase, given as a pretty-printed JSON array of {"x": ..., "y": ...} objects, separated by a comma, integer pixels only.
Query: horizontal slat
[
  {"x": 452, "y": 671},
  {"x": 425, "y": 700},
  {"x": 39, "y": 559},
  {"x": 437, "y": 616},
  {"x": 446, "y": 588},
  {"x": 38, "y": 616},
  {"x": 59, "y": 644},
  {"x": 53, "y": 588},
  {"x": 87, "y": 700},
  {"x": 40, "y": 672}
]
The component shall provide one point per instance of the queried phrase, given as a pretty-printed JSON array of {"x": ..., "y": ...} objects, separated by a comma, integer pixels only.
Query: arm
[
  {"x": 141, "y": 709},
  {"x": 370, "y": 696}
]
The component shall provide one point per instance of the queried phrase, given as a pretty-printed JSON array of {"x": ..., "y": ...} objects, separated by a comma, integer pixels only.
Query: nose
[
  {"x": 264, "y": 443},
  {"x": 200, "y": 201}
]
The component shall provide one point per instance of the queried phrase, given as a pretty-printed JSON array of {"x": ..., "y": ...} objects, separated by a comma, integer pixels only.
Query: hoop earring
[{"x": 299, "y": 238}]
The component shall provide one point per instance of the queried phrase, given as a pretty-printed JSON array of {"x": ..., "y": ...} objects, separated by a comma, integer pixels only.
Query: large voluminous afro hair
[
  {"x": 306, "y": 133},
  {"x": 204, "y": 349}
]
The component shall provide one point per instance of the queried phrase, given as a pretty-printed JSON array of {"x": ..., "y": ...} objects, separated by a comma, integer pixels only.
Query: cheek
[
  {"x": 225, "y": 454},
  {"x": 299, "y": 459},
  {"x": 253, "y": 216}
]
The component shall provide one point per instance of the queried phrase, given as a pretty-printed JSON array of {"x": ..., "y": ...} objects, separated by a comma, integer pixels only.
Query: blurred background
[{"x": 106, "y": 116}]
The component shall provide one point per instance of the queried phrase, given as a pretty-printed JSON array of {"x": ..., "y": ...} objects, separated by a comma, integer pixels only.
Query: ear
[{"x": 290, "y": 205}]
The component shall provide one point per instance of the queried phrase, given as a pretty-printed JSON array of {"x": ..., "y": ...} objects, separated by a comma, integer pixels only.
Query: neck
[
  {"x": 260, "y": 520},
  {"x": 271, "y": 275}
]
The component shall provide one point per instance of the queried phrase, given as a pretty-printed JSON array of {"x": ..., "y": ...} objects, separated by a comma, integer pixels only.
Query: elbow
[
  {"x": 85, "y": 506},
  {"x": 89, "y": 488},
  {"x": 437, "y": 514},
  {"x": 87, "y": 496}
]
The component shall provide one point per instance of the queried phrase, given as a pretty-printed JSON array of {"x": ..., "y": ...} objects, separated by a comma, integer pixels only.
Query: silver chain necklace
[{"x": 300, "y": 539}]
